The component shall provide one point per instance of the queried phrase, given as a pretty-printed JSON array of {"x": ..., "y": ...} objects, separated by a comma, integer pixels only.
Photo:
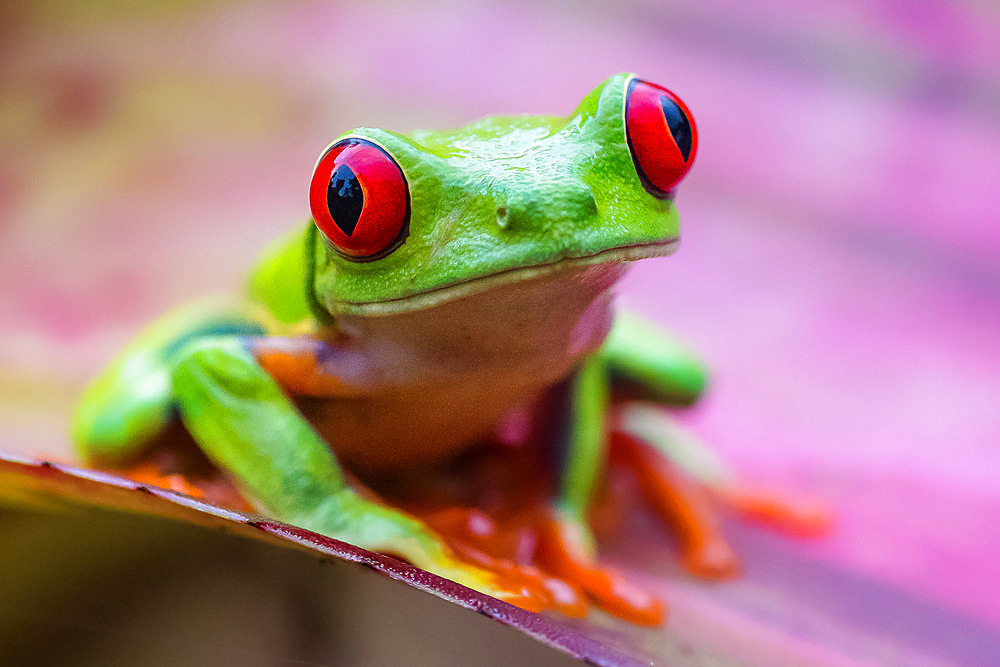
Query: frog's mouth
[{"x": 439, "y": 295}]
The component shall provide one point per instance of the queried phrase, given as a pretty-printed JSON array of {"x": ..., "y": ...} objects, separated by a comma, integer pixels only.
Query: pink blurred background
[{"x": 839, "y": 267}]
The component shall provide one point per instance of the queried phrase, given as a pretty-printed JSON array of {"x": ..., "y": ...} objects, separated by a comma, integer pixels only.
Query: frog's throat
[{"x": 440, "y": 295}]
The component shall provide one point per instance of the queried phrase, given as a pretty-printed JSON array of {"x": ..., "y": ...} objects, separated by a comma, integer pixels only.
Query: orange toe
[
  {"x": 714, "y": 559},
  {"x": 800, "y": 516},
  {"x": 561, "y": 552}
]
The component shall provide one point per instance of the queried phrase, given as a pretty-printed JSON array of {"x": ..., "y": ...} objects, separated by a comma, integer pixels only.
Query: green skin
[{"x": 519, "y": 227}]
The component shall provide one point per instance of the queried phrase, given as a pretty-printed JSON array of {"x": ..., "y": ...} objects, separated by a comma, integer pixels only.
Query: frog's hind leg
[
  {"x": 232, "y": 388},
  {"x": 648, "y": 363},
  {"x": 682, "y": 479},
  {"x": 645, "y": 362},
  {"x": 675, "y": 479},
  {"x": 132, "y": 401}
]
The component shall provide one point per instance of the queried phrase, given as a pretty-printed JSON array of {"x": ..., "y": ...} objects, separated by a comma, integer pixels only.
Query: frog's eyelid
[
  {"x": 661, "y": 136},
  {"x": 350, "y": 175}
]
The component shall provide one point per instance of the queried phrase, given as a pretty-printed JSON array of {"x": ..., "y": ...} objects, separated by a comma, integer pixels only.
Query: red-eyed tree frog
[{"x": 445, "y": 281}]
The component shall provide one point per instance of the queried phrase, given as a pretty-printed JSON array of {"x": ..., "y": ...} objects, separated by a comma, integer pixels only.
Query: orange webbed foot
[
  {"x": 508, "y": 551},
  {"x": 796, "y": 515},
  {"x": 683, "y": 504},
  {"x": 548, "y": 559},
  {"x": 562, "y": 549}
]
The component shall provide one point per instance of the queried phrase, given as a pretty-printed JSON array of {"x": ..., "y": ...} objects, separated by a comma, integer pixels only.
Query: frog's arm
[
  {"x": 679, "y": 476},
  {"x": 232, "y": 393},
  {"x": 566, "y": 546},
  {"x": 637, "y": 353},
  {"x": 642, "y": 355},
  {"x": 131, "y": 401},
  {"x": 585, "y": 440},
  {"x": 244, "y": 421}
]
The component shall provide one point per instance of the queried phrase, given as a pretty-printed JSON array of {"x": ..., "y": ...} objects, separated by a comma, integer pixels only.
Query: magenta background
[{"x": 839, "y": 266}]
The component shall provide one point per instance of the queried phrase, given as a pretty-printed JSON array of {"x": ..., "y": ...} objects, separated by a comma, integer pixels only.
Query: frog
[{"x": 444, "y": 281}]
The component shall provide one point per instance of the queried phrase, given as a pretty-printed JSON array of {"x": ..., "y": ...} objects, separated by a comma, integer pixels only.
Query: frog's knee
[
  {"x": 122, "y": 410},
  {"x": 640, "y": 355}
]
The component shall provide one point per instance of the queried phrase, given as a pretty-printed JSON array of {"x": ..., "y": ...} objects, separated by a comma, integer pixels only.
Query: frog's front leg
[
  {"x": 243, "y": 419},
  {"x": 131, "y": 402},
  {"x": 678, "y": 476},
  {"x": 566, "y": 546},
  {"x": 651, "y": 365}
]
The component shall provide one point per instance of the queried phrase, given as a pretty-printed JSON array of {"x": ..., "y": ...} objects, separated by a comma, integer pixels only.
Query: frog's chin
[{"x": 437, "y": 296}]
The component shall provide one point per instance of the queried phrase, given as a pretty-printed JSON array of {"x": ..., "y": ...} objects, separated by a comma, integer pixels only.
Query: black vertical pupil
[
  {"x": 679, "y": 125},
  {"x": 345, "y": 199}
]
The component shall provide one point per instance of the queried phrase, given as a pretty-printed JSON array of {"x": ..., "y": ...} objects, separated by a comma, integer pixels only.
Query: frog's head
[{"x": 408, "y": 222}]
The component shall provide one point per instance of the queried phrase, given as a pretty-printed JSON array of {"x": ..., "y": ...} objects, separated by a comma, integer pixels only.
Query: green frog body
[{"x": 445, "y": 281}]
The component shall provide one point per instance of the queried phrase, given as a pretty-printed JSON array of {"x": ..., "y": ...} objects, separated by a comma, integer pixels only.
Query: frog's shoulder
[{"x": 278, "y": 280}]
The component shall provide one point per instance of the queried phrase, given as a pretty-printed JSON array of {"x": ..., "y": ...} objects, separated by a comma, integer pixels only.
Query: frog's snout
[{"x": 545, "y": 204}]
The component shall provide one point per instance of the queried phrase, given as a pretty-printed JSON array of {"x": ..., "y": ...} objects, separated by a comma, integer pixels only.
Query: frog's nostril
[
  {"x": 518, "y": 211},
  {"x": 502, "y": 218},
  {"x": 583, "y": 200}
]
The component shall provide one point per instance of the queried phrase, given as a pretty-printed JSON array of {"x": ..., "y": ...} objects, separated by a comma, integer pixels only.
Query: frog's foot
[
  {"x": 507, "y": 550},
  {"x": 175, "y": 463},
  {"x": 548, "y": 550},
  {"x": 216, "y": 490},
  {"x": 565, "y": 548},
  {"x": 379, "y": 528},
  {"x": 148, "y": 472},
  {"x": 799, "y": 516},
  {"x": 682, "y": 503},
  {"x": 682, "y": 479}
]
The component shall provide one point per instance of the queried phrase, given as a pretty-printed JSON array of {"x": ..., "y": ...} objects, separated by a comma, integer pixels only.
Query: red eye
[
  {"x": 661, "y": 136},
  {"x": 360, "y": 200}
]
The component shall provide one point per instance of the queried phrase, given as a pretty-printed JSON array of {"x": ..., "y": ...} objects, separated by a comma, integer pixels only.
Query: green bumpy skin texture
[
  {"x": 505, "y": 193},
  {"x": 501, "y": 195}
]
